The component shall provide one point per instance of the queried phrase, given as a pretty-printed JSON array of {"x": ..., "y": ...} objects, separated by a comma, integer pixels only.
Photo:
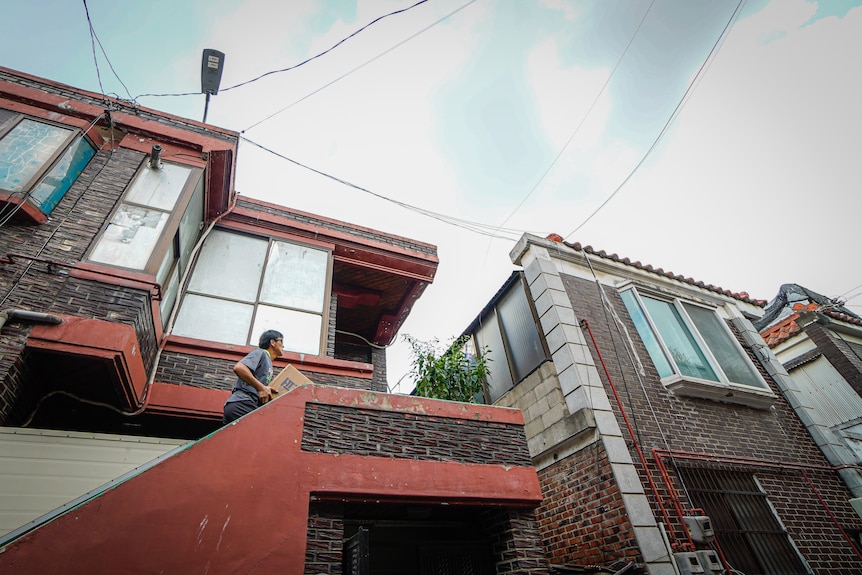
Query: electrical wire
[
  {"x": 306, "y": 61},
  {"x": 583, "y": 118},
  {"x": 476, "y": 227},
  {"x": 676, "y": 111},
  {"x": 94, "y": 39},
  {"x": 349, "y": 72},
  {"x": 331, "y": 48}
]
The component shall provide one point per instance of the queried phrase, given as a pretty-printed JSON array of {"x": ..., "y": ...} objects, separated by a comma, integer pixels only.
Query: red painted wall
[{"x": 237, "y": 501}]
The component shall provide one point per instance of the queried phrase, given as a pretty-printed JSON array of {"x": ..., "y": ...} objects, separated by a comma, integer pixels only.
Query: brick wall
[
  {"x": 37, "y": 286},
  {"x": 846, "y": 357},
  {"x": 663, "y": 420},
  {"x": 324, "y": 542},
  {"x": 378, "y": 433},
  {"x": 516, "y": 542},
  {"x": 582, "y": 518}
]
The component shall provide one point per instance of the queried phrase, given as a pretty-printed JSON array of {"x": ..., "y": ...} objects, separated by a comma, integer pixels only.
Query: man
[{"x": 254, "y": 372}]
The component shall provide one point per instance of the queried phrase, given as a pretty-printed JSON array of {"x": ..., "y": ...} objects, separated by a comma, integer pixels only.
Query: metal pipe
[
  {"x": 28, "y": 316},
  {"x": 635, "y": 442}
]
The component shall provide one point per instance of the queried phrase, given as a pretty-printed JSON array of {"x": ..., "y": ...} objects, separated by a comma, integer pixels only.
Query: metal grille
[
  {"x": 356, "y": 559},
  {"x": 454, "y": 559},
  {"x": 751, "y": 537}
]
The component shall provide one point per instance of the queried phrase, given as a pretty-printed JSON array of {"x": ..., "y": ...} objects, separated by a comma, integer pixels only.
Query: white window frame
[
  {"x": 724, "y": 390},
  {"x": 292, "y": 341}
]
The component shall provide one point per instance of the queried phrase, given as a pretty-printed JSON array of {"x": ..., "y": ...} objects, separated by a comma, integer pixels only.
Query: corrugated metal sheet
[
  {"x": 827, "y": 392},
  {"x": 41, "y": 470}
]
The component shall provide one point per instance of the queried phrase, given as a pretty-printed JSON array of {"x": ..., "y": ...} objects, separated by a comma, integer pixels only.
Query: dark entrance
[{"x": 416, "y": 540}]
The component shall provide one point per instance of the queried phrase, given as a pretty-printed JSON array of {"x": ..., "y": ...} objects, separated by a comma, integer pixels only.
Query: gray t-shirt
[{"x": 260, "y": 364}]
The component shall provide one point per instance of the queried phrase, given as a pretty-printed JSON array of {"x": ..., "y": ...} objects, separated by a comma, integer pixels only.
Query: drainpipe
[{"x": 28, "y": 316}]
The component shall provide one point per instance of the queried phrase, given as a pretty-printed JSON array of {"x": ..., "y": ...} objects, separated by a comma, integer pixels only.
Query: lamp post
[{"x": 212, "y": 64}]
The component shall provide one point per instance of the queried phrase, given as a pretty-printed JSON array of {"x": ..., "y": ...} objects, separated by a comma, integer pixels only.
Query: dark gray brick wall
[
  {"x": 324, "y": 542},
  {"x": 378, "y": 433},
  {"x": 516, "y": 542}
]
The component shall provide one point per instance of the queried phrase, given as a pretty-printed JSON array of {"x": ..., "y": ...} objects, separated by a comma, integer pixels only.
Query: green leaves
[{"x": 453, "y": 374}]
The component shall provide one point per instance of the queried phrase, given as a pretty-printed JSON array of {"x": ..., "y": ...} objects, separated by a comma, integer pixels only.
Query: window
[
  {"x": 39, "y": 162},
  {"x": 243, "y": 285},
  {"x": 510, "y": 333},
  {"x": 155, "y": 227},
  {"x": 694, "y": 351},
  {"x": 751, "y": 536}
]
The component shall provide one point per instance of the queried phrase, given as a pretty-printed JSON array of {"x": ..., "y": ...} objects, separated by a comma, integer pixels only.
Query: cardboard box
[{"x": 287, "y": 379}]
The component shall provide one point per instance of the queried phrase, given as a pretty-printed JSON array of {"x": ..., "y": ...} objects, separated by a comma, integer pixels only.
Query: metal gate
[{"x": 355, "y": 556}]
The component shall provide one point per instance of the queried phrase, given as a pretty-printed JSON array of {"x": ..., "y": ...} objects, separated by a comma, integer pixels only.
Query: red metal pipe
[
  {"x": 678, "y": 454},
  {"x": 637, "y": 447},
  {"x": 831, "y": 515}
]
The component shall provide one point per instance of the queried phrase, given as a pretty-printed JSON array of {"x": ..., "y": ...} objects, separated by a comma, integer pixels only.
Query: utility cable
[
  {"x": 349, "y": 72},
  {"x": 331, "y": 48},
  {"x": 676, "y": 111},
  {"x": 583, "y": 118},
  {"x": 94, "y": 38},
  {"x": 476, "y": 227},
  {"x": 306, "y": 61}
]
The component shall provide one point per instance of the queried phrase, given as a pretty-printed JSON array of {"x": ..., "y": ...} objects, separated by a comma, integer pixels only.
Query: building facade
[
  {"x": 659, "y": 421},
  {"x": 819, "y": 343},
  {"x": 132, "y": 278}
]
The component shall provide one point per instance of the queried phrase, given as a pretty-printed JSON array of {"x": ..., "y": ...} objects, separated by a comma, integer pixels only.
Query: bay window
[
  {"x": 243, "y": 285},
  {"x": 39, "y": 161},
  {"x": 694, "y": 351},
  {"x": 155, "y": 226}
]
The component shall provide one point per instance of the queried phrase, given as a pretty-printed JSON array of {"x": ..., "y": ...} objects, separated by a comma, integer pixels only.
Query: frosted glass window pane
[
  {"x": 678, "y": 339},
  {"x": 295, "y": 277},
  {"x": 229, "y": 266},
  {"x": 499, "y": 378},
  {"x": 301, "y": 330},
  {"x": 726, "y": 351},
  {"x": 25, "y": 150},
  {"x": 213, "y": 319},
  {"x": 130, "y": 237},
  {"x": 653, "y": 347},
  {"x": 158, "y": 188},
  {"x": 525, "y": 349}
]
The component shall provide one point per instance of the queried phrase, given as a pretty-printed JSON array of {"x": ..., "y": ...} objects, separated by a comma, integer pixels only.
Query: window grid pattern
[
  {"x": 232, "y": 298},
  {"x": 751, "y": 537}
]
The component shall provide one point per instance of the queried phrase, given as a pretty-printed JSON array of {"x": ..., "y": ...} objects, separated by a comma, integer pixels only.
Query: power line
[
  {"x": 306, "y": 61},
  {"x": 94, "y": 39},
  {"x": 476, "y": 227},
  {"x": 349, "y": 72},
  {"x": 334, "y": 46},
  {"x": 708, "y": 60},
  {"x": 583, "y": 118}
]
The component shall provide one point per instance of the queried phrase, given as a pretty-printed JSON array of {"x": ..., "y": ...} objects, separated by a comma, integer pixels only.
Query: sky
[{"x": 716, "y": 139}]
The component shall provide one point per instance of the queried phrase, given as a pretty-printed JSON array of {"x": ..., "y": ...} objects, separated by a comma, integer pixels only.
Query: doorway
[{"x": 416, "y": 540}]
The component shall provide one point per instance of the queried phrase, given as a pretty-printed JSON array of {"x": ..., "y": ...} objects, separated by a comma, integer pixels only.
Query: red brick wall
[{"x": 582, "y": 518}]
